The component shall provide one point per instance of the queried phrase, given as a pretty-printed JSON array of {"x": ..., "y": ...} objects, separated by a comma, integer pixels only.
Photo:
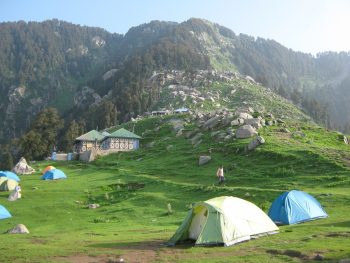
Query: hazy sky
[{"x": 304, "y": 25}]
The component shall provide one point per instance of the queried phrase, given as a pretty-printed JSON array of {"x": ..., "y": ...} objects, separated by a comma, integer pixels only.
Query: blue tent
[
  {"x": 4, "y": 213},
  {"x": 53, "y": 175},
  {"x": 295, "y": 207},
  {"x": 10, "y": 175}
]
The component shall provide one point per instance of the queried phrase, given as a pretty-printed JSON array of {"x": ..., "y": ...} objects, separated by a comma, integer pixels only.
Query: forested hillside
[{"x": 95, "y": 78}]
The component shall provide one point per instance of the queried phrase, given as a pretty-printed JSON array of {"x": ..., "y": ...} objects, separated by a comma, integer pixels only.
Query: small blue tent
[
  {"x": 53, "y": 175},
  {"x": 295, "y": 207},
  {"x": 4, "y": 213},
  {"x": 10, "y": 175}
]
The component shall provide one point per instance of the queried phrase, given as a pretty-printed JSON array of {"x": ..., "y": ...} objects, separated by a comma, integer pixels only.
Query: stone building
[{"x": 94, "y": 143}]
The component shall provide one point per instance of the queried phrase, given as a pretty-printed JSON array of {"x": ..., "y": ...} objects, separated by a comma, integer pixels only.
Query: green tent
[
  {"x": 224, "y": 220},
  {"x": 7, "y": 184}
]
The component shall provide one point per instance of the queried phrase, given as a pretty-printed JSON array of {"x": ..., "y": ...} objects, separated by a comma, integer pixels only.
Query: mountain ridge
[{"x": 65, "y": 58}]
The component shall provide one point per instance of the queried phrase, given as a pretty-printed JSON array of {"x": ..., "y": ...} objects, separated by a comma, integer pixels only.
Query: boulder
[
  {"x": 229, "y": 131},
  {"x": 204, "y": 159},
  {"x": 245, "y": 131},
  {"x": 228, "y": 137},
  {"x": 22, "y": 167},
  {"x": 237, "y": 122},
  {"x": 211, "y": 123},
  {"x": 244, "y": 115},
  {"x": 179, "y": 133},
  {"x": 93, "y": 206},
  {"x": 214, "y": 133},
  {"x": 255, "y": 122},
  {"x": 188, "y": 134},
  {"x": 255, "y": 143},
  {"x": 197, "y": 144},
  {"x": 196, "y": 138},
  {"x": 19, "y": 229}
]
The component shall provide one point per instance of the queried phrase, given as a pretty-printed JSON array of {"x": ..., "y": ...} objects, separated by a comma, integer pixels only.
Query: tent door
[{"x": 198, "y": 222}]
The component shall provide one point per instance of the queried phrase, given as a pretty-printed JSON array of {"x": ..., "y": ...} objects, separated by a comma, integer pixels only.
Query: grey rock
[
  {"x": 188, "y": 134},
  {"x": 255, "y": 143},
  {"x": 204, "y": 159},
  {"x": 19, "y": 229},
  {"x": 214, "y": 133},
  {"x": 245, "y": 131},
  {"x": 169, "y": 147},
  {"x": 211, "y": 123},
  {"x": 244, "y": 115},
  {"x": 255, "y": 122},
  {"x": 93, "y": 206},
  {"x": 196, "y": 138},
  {"x": 228, "y": 137},
  {"x": 237, "y": 122},
  {"x": 197, "y": 144},
  {"x": 229, "y": 131}
]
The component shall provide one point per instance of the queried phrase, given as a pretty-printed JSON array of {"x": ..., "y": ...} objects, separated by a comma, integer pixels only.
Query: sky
[{"x": 310, "y": 26}]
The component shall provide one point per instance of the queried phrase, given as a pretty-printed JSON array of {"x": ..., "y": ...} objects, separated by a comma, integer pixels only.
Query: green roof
[
  {"x": 122, "y": 133},
  {"x": 90, "y": 136}
]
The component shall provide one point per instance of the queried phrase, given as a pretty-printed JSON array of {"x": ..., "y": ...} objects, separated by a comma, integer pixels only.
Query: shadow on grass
[
  {"x": 146, "y": 245},
  {"x": 338, "y": 224}
]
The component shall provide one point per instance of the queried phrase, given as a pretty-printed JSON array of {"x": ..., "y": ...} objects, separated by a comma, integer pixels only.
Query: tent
[
  {"x": 22, "y": 167},
  {"x": 48, "y": 168},
  {"x": 224, "y": 220},
  {"x": 53, "y": 174},
  {"x": 295, "y": 207},
  {"x": 4, "y": 213},
  {"x": 10, "y": 175},
  {"x": 7, "y": 184}
]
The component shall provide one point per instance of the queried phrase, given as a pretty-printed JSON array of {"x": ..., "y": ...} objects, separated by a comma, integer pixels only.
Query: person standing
[{"x": 220, "y": 174}]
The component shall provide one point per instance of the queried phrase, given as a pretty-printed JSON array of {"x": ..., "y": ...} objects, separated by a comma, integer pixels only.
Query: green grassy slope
[{"x": 135, "y": 188}]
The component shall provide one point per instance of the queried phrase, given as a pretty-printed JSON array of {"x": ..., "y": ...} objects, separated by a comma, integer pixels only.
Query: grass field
[{"x": 134, "y": 190}]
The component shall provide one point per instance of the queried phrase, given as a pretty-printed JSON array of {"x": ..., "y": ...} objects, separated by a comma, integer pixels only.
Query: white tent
[
  {"x": 223, "y": 220},
  {"x": 22, "y": 167}
]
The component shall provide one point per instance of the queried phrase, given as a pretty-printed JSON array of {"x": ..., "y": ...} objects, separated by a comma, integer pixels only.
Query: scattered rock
[
  {"x": 255, "y": 122},
  {"x": 197, "y": 144},
  {"x": 245, "y": 131},
  {"x": 19, "y": 229},
  {"x": 255, "y": 143},
  {"x": 188, "y": 134},
  {"x": 204, "y": 159},
  {"x": 319, "y": 257},
  {"x": 237, "y": 122},
  {"x": 211, "y": 123},
  {"x": 93, "y": 206},
  {"x": 244, "y": 115},
  {"x": 196, "y": 138}
]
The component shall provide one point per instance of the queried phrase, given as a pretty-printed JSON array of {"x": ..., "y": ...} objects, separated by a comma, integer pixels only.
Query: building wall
[{"x": 84, "y": 146}]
